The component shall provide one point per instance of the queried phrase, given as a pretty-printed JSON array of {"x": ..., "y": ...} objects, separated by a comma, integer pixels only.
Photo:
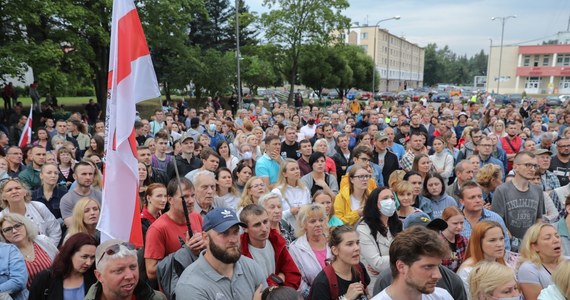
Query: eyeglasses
[
  {"x": 114, "y": 249},
  {"x": 563, "y": 146},
  {"x": 530, "y": 166},
  {"x": 10, "y": 229},
  {"x": 362, "y": 177},
  {"x": 5, "y": 181}
]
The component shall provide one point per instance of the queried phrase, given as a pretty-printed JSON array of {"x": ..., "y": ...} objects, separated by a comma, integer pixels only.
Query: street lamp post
[
  {"x": 374, "y": 52},
  {"x": 503, "y": 21},
  {"x": 238, "y": 57}
]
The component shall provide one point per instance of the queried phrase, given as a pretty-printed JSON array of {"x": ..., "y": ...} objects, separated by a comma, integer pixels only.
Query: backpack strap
[
  {"x": 333, "y": 281},
  {"x": 361, "y": 273}
]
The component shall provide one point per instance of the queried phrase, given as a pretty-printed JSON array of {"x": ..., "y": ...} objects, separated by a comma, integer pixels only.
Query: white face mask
[
  {"x": 246, "y": 155},
  {"x": 387, "y": 207}
]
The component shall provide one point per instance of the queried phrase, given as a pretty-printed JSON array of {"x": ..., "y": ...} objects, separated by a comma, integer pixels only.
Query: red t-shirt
[
  {"x": 164, "y": 235},
  {"x": 516, "y": 143}
]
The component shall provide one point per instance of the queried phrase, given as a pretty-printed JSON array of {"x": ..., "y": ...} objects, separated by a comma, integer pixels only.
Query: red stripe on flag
[{"x": 131, "y": 43}]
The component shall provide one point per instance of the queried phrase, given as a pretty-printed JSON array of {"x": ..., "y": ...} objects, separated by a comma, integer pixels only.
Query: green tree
[
  {"x": 294, "y": 23},
  {"x": 257, "y": 73},
  {"x": 215, "y": 72}
]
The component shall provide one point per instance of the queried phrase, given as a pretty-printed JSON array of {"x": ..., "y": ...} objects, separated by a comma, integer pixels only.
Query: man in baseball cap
[
  {"x": 221, "y": 271},
  {"x": 422, "y": 219},
  {"x": 185, "y": 161}
]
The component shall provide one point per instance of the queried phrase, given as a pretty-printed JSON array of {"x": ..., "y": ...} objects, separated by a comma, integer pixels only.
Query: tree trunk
[{"x": 167, "y": 91}]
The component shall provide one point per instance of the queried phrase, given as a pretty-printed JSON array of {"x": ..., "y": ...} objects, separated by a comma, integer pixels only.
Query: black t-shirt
[
  {"x": 560, "y": 169},
  {"x": 290, "y": 151},
  {"x": 320, "y": 289}
]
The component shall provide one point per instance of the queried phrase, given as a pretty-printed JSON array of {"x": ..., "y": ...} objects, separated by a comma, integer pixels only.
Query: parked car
[
  {"x": 404, "y": 95},
  {"x": 441, "y": 97},
  {"x": 386, "y": 96},
  {"x": 365, "y": 95},
  {"x": 553, "y": 101},
  {"x": 564, "y": 98}
]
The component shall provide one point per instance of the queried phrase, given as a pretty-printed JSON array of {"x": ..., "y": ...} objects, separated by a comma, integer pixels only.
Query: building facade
[
  {"x": 399, "y": 63},
  {"x": 540, "y": 69}
]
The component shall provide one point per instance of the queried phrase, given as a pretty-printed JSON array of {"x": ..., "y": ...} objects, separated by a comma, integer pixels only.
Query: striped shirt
[{"x": 41, "y": 262}]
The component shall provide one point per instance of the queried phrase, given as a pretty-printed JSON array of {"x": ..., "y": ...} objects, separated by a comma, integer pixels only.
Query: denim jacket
[{"x": 13, "y": 273}]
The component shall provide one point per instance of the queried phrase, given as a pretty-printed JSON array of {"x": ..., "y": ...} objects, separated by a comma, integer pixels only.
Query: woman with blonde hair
[
  {"x": 489, "y": 177},
  {"x": 540, "y": 255},
  {"x": 254, "y": 188},
  {"x": 404, "y": 192},
  {"x": 38, "y": 250},
  {"x": 84, "y": 218},
  {"x": 291, "y": 189},
  {"x": 349, "y": 203},
  {"x": 253, "y": 141},
  {"x": 395, "y": 178},
  {"x": 16, "y": 198},
  {"x": 310, "y": 251},
  {"x": 492, "y": 280},
  {"x": 560, "y": 287}
]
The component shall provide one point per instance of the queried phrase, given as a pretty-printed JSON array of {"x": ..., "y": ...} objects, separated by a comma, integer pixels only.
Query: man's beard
[
  {"x": 563, "y": 154},
  {"x": 226, "y": 256}
]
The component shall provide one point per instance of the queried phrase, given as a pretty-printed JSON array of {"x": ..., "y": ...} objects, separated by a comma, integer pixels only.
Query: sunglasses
[
  {"x": 5, "y": 181},
  {"x": 114, "y": 249}
]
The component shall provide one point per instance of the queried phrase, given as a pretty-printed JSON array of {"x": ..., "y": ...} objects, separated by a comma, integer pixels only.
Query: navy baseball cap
[
  {"x": 221, "y": 219},
  {"x": 422, "y": 219}
]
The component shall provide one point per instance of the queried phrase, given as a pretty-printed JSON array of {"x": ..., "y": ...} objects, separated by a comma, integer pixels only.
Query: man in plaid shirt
[
  {"x": 415, "y": 147},
  {"x": 548, "y": 180}
]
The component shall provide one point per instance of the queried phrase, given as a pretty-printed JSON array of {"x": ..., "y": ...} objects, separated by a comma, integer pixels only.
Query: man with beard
[
  {"x": 31, "y": 175},
  {"x": 511, "y": 143},
  {"x": 268, "y": 248},
  {"x": 415, "y": 256},
  {"x": 221, "y": 272},
  {"x": 84, "y": 174},
  {"x": 560, "y": 164},
  {"x": 415, "y": 147},
  {"x": 518, "y": 202}
]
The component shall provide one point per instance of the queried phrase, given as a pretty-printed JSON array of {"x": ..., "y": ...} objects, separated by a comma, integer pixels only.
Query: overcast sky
[{"x": 464, "y": 25}]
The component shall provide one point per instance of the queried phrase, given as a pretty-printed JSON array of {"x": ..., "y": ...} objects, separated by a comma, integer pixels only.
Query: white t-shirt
[
  {"x": 438, "y": 294},
  {"x": 264, "y": 257},
  {"x": 308, "y": 131},
  {"x": 354, "y": 203}
]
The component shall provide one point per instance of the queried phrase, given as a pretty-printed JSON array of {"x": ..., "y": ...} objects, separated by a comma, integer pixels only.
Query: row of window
[{"x": 545, "y": 60}]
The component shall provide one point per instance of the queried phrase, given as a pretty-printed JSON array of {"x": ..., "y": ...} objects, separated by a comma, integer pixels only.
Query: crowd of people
[{"x": 344, "y": 201}]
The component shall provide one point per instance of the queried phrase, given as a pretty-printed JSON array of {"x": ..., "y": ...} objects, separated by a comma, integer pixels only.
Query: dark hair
[
  {"x": 336, "y": 234},
  {"x": 78, "y": 124},
  {"x": 219, "y": 144},
  {"x": 429, "y": 176},
  {"x": 251, "y": 209},
  {"x": 410, "y": 174},
  {"x": 358, "y": 150},
  {"x": 372, "y": 216},
  {"x": 315, "y": 156},
  {"x": 79, "y": 164},
  {"x": 471, "y": 184},
  {"x": 473, "y": 131},
  {"x": 100, "y": 145},
  {"x": 62, "y": 265},
  {"x": 207, "y": 152},
  {"x": 413, "y": 243},
  {"x": 280, "y": 293},
  {"x": 304, "y": 141},
  {"x": 172, "y": 187},
  {"x": 270, "y": 138}
]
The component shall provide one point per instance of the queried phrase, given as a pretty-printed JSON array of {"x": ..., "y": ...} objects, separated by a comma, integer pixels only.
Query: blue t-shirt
[
  {"x": 267, "y": 167},
  {"x": 77, "y": 293}
]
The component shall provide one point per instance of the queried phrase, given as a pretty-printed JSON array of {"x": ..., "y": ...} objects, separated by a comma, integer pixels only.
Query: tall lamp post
[
  {"x": 238, "y": 57},
  {"x": 374, "y": 52},
  {"x": 503, "y": 21}
]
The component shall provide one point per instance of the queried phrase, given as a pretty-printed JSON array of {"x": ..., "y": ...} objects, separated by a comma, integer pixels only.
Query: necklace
[{"x": 29, "y": 254}]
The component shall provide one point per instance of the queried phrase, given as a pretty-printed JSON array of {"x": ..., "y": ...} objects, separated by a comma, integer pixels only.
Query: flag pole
[{"x": 184, "y": 205}]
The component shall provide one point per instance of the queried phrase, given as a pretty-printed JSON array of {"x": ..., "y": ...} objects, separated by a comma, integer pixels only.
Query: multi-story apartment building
[{"x": 399, "y": 63}]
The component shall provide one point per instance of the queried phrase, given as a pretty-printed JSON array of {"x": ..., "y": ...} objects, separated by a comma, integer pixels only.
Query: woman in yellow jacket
[{"x": 350, "y": 201}]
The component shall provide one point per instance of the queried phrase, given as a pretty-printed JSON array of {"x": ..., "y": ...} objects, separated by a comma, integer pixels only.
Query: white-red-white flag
[
  {"x": 26, "y": 137},
  {"x": 131, "y": 80}
]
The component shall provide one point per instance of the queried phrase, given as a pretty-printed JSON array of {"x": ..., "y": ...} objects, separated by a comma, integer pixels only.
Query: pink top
[{"x": 321, "y": 256}]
